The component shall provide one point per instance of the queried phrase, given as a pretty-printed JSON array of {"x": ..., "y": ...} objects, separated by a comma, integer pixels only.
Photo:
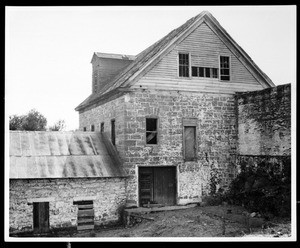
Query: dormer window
[
  {"x": 224, "y": 68},
  {"x": 184, "y": 65}
]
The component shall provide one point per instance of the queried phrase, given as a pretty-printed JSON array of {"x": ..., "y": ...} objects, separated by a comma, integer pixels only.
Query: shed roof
[
  {"x": 43, "y": 154},
  {"x": 147, "y": 58}
]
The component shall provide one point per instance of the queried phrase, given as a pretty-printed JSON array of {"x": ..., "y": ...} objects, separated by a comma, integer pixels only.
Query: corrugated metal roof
[{"x": 44, "y": 154}]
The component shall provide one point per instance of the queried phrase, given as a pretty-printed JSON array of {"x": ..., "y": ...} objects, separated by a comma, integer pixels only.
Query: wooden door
[
  {"x": 41, "y": 217},
  {"x": 157, "y": 185},
  {"x": 189, "y": 143},
  {"x": 164, "y": 190}
]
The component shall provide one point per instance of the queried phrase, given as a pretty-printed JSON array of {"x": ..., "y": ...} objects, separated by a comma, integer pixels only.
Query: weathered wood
[
  {"x": 86, "y": 227},
  {"x": 142, "y": 217},
  {"x": 90, "y": 206},
  {"x": 85, "y": 220},
  {"x": 88, "y": 212}
]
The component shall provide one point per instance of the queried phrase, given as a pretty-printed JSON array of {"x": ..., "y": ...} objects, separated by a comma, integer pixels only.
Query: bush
[{"x": 265, "y": 188}]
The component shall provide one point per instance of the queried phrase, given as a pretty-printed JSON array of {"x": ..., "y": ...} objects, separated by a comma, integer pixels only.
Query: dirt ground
[{"x": 210, "y": 221}]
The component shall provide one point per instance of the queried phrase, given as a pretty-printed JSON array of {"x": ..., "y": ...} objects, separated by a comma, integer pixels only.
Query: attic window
[
  {"x": 204, "y": 72},
  {"x": 92, "y": 128},
  {"x": 224, "y": 68},
  {"x": 151, "y": 131},
  {"x": 84, "y": 129},
  {"x": 184, "y": 65}
]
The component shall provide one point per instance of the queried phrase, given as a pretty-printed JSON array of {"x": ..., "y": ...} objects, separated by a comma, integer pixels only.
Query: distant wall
[{"x": 264, "y": 123}]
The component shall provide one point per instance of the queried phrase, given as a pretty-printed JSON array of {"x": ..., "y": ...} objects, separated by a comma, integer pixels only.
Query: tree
[
  {"x": 58, "y": 126},
  {"x": 33, "y": 121},
  {"x": 15, "y": 122}
]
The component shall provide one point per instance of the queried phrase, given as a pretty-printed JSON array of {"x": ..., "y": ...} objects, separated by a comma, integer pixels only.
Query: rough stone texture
[
  {"x": 114, "y": 109},
  {"x": 109, "y": 194},
  {"x": 264, "y": 121},
  {"x": 216, "y": 125}
]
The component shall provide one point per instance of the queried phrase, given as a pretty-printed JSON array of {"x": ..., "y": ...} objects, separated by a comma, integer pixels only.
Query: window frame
[
  {"x": 101, "y": 129},
  {"x": 189, "y": 65},
  {"x": 229, "y": 68},
  {"x": 84, "y": 129},
  {"x": 190, "y": 122},
  {"x": 157, "y": 129},
  {"x": 113, "y": 131},
  {"x": 92, "y": 128}
]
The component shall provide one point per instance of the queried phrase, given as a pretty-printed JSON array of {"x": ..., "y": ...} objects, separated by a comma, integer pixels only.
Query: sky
[{"x": 48, "y": 50}]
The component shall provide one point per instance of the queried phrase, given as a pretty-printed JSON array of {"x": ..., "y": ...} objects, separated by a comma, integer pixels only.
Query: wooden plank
[
  {"x": 85, "y": 220},
  {"x": 86, "y": 227},
  {"x": 89, "y": 206},
  {"x": 88, "y": 212}
]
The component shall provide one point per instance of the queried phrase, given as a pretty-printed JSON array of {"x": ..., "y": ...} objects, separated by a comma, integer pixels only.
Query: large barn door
[
  {"x": 157, "y": 185},
  {"x": 41, "y": 217}
]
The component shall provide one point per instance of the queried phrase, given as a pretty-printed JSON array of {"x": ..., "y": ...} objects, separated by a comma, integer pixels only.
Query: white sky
[{"x": 49, "y": 49}]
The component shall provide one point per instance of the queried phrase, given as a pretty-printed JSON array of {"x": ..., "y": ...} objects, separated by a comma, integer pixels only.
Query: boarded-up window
[
  {"x": 113, "y": 132},
  {"x": 41, "y": 217},
  {"x": 189, "y": 139},
  {"x": 184, "y": 65},
  {"x": 85, "y": 218},
  {"x": 102, "y": 127},
  {"x": 224, "y": 68},
  {"x": 151, "y": 131}
]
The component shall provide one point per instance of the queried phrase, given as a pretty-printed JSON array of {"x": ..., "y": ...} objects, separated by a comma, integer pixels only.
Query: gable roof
[
  {"x": 145, "y": 60},
  {"x": 45, "y": 154}
]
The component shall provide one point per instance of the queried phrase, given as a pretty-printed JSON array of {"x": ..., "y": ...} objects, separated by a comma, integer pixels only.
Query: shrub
[{"x": 265, "y": 188}]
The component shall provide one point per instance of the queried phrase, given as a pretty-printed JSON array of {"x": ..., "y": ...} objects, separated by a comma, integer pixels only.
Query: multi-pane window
[
  {"x": 204, "y": 72},
  {"x": 151, "y": 131},
  {"x": 184, "y": 65},
  {"x": 224, "y": 68},
  {"x": 84, "y": 129},
  {"x": 92, "y": 128}
]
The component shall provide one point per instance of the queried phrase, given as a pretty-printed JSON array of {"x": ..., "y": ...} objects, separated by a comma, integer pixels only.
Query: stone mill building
[{"x": 157, "y": 123}]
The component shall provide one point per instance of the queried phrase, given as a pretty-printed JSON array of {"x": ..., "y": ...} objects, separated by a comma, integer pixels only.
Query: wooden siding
[
  {"x": 105, "y": 68},
  {"x": 205, "y": 47}
]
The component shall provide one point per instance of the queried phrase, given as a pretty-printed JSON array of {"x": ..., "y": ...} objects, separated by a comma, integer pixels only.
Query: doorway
[
  {"x": 157, "y": 185},
  {"x": 41, "y": 217}
]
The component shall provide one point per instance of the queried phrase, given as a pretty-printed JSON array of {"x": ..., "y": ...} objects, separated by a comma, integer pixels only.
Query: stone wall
[
  {"x": 108, "y": 194},
  {"x": 114, "y": 109},
  {"x": 216, "y": 125},
  {"x": 264, "y": 122}
]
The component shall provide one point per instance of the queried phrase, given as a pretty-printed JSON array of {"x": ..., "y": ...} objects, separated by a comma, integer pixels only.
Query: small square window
[
  {"x": 214, "y": 72},
  {"x": 201, "y": 71},
  {"x": 195, "y": 71},
  {"x": 207, "y": 72}
]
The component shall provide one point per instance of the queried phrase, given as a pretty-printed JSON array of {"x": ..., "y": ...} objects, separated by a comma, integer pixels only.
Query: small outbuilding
[{"x": 63, "y": 179}]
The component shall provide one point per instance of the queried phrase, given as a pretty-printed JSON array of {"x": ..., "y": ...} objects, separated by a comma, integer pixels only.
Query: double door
[{"x": 157, "y": 185}]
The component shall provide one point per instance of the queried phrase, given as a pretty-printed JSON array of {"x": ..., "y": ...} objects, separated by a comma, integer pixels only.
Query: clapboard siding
[
  {"x": 205, "y": 47},
  {"x": 203, "y": 85}
]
